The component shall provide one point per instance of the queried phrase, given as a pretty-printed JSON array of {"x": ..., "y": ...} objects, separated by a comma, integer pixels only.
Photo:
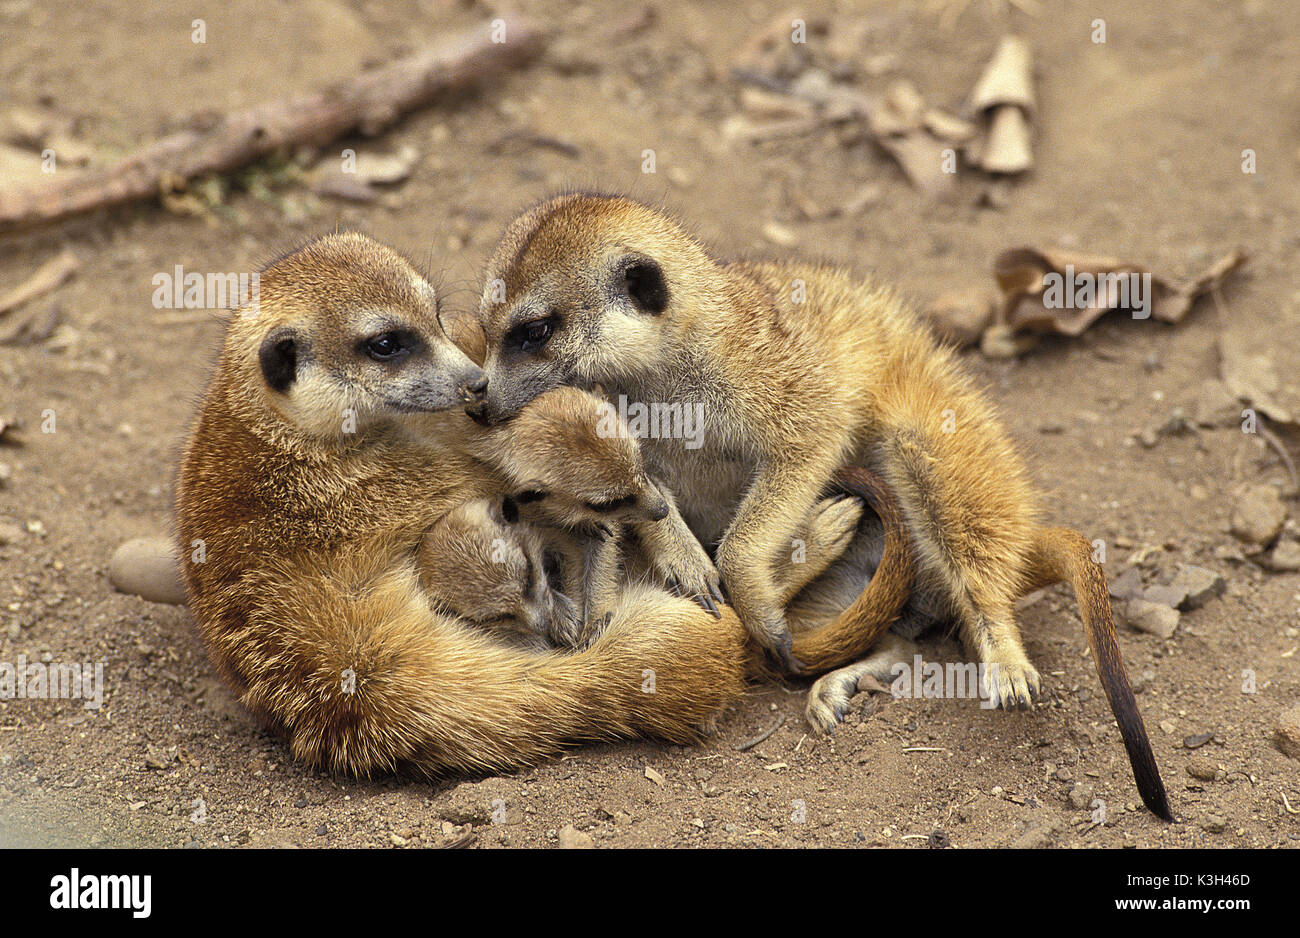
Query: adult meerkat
[
  {"x": 801, "y": 370},
  {"x": 329, "y": 440}
]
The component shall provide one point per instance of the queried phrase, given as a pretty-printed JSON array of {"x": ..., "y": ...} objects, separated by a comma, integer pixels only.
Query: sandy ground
[{"x": 1138, "y": 150}]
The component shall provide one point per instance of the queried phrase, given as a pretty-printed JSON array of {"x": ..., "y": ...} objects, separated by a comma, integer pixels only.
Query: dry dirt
[{"x": 1138, "y": 147}]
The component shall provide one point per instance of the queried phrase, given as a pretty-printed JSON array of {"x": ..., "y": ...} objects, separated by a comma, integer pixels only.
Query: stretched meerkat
[
  {"x": 801, "y": 370},
  {"x": 329, "y": 440}
]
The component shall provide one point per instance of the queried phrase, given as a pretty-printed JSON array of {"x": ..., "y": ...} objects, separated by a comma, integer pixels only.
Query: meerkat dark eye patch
[
  {"x": 278, "y": 357},
  {"x": 510, "y": 510},
  {"x": 643, "y": 279},
  {"x": 525, "y": 498}
]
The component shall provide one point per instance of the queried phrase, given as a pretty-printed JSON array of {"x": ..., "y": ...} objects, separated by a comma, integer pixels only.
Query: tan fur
[
  {"x": 803, "y": 370},
  {"x": 475, "y": 565},
  {"x": 308, "y": 595}
]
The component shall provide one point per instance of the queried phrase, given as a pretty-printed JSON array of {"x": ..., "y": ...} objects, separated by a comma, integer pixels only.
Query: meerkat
[
  {"x": 800, "y": 370},
  {"x": 478, "y": 565},
  {"x": 330, "y": 438},
  {"x": 579, "y": 484}
]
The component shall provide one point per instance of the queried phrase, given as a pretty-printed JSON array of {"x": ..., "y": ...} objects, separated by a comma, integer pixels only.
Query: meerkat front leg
[
  {"x": 759, "y": 534},
  {"x": 676, "y": 555},
  {"x": 601, "y": 564}
]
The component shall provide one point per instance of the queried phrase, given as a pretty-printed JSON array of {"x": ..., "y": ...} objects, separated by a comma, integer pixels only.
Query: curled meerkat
[
  {"x": 579, "y": 483},
  {"x": 798, "y": 370},
  {"x": 329, "y": 440},
  {"x": 474, "y": 563}
]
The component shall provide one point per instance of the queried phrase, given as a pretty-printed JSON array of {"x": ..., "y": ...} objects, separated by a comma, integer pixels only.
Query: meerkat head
[
  {"x": 346, "y": 335},
  {"x": 583, "y": 289},
  {"x": 476, "y": 564},
  {"x": 573, "y": 463}
]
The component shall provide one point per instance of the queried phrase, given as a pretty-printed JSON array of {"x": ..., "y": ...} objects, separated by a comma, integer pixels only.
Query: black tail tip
[{"x": 1154, "y": 797}]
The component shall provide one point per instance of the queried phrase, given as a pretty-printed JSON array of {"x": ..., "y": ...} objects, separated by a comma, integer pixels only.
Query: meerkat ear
[
  {"x": 643, "y": 279},
  {"x": 278, "y": 357}
]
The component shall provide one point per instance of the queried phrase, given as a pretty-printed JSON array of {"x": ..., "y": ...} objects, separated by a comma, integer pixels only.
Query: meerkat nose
[
  {"x": 475, "y": 390},
  {"x": 657, "y": 510}
]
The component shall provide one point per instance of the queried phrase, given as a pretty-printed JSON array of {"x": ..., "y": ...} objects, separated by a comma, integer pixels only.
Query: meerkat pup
[
  {"x": 579, "y": 488},
  {"x": 798, "y": 370},
  {"x": 330, "y": 439},
  {"x": 476, "y": 564}
]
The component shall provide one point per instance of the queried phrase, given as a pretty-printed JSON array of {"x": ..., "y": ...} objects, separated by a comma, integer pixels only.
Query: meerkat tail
[
  {"x": 364, "y": 677},
  {"x": 857, "y": 629},
  {"x": 1060, "y": 554}
]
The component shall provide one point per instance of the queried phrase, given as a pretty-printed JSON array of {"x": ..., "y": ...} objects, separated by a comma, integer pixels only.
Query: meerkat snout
[{"x": 474, "y": 389}]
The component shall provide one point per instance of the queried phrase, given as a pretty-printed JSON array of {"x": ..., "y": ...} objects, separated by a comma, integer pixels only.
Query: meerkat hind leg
[
  {"x": 826, "y": 534},
  {"x": 829, "y": 697}
]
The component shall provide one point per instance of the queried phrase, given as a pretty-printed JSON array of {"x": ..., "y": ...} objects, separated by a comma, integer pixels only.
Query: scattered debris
[
  {"x": 1103, "y": 284},
  {"x": 1081, "y": 796},
  {"x": 1197, "y": 741},
  {"x": 1004, "y": 97},
  {"x": 1214, "y": 824},
  {"x": 1128, "y": 585},
  {"x": 1284, "y": 557},
  {"x": 357, "y": 182},
  {"x": 573, "y": 839},
  {"x": 1286, "y": 732},
  {"x": 48, "y": 277},
  {"x": 1204, "y": 770},
  {"x": 1152, "y": 618},
  {"x": 368, "y": 103},
  {"x": 157, "y": 757},
  {"x": 1190, "y": 588},
  {"x": 751, "y": 743},
  {"x": 9, "y": 427},
  {"x": 654, "y": 776}
]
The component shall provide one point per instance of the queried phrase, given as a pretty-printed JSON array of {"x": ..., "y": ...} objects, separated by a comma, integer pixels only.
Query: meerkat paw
[
  {"x": 566, "y": 628},
  {"x": 687, "y": 571},
  {"x": 829, "y": 697},
  {"x": 828, "y": 700},
  {"x": 775, "y": 638},
  {"x": 833, "y": 523},
  {"x": 1011, "y": 681}
]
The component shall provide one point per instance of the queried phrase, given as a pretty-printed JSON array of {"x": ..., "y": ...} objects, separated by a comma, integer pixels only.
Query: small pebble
[
  {"x": 1258, "y": 515},
  {"x": 146, "y": 567},
  {"x": 1286, "y": 732},
  {"x": 573, "y": 839}
]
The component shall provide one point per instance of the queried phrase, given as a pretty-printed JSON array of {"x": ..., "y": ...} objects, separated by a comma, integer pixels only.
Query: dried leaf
[{"x": 1021, "y": 277}]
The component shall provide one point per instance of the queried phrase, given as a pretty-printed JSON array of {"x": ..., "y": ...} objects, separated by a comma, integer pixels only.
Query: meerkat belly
[{"x": 707, "y": 483}]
